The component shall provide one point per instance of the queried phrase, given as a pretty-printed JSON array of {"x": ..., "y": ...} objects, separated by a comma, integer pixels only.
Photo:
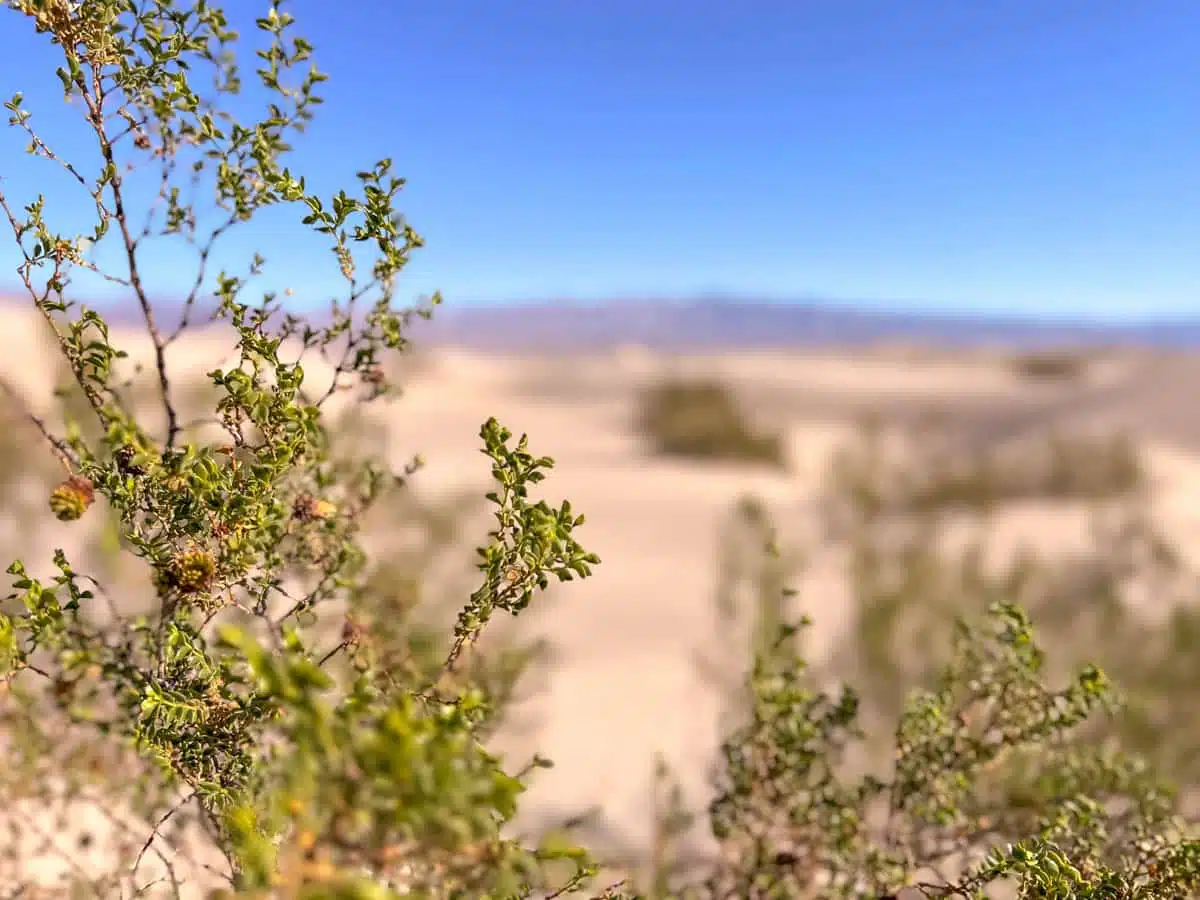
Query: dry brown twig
[{"x": 62, "y": 452}]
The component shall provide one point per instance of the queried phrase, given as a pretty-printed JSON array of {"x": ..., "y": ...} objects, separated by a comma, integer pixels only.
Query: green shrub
[
  {"x": 907, "y": 588},
  {"x": 902, "y": 631},
  {"x": 270, "y": 702},
  {"x": 1049, "y": 365},
  {"x": 702, "y": 420},
  {"x": 1059, "y": 468}
]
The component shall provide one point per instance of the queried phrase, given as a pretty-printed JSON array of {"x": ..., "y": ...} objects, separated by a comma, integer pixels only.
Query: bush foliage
[
  {"x": 275, "y": 702},
  {"x": 1077, "y": 467},
  {"x": 702, "y": 420},
  {"x": 1049, "y": 365}
]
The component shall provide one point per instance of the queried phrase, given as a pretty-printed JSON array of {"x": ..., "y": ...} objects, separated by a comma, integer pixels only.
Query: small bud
[{"x": 71, "y": 499}]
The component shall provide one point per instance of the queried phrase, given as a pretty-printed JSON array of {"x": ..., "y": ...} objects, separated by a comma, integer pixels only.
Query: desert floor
[{"x": 623, "y": 685}]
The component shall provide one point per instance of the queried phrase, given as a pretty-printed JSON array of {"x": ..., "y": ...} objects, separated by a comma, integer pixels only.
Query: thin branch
[
  {"x": 154, "y": 833},
  {"x": 189, "y": 302},
  {"x": 43, "y": 150},
  {"x": 64, "y": 453},
  {"x": 332, "y": 653},
  {"x": 131, "y": 248},
  {"x": 42, "y": 303}
]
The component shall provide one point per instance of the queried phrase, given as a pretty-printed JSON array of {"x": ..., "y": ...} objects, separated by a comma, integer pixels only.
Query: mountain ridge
[
  {"x": 706, "y": 323},
  {"x": 715, "y": 324}
]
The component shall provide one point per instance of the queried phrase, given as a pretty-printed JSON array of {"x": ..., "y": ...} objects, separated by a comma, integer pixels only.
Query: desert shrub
[
  {"x": 995, "y": 784},
  {"x": 945, "y": 817},
  {"x": 907, "y": 586},
  {"x": 1048, "y": 365},
  {"x": 702, "y": 420},
  {"x": 929, "y": 480},
  {"x": 264, "y": 705},
  {"x": 225, "y": 698},
  {"x": 752, "y": 597}
]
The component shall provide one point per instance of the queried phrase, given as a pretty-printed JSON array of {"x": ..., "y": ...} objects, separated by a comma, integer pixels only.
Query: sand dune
[{"x": 625, "y": 686}]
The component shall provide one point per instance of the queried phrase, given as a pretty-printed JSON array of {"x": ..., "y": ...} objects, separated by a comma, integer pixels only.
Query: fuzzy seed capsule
[
  {"x": 71, "y": 499},
  {"x": 191, "y": 572}
]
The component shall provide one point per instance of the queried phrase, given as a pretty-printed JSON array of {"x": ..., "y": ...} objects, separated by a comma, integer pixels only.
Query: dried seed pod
[
  {"x": 308, "y": 508},
  {"x": 191, "y": 572},
  {"x": 352, "y": 632},
  {"x": 304, "y": 507},
  {"x": 125, "y": 457},
  {"x": 71, "y": 499}
]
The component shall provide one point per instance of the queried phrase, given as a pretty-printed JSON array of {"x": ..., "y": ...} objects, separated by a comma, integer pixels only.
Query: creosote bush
[
  {"x": 259, "y": 705},
  {"x": 702, "y": 420},
  {"x": 1079, "y": 467},
  {"x": 907, "y": 585},
  {"x": 1050, "y": 365}
]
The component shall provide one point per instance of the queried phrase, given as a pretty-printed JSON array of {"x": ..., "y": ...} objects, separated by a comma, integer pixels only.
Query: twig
[
  {"x": 154, "y": 833},
  {"x": 131, "y": 246},
  {"x": 332, "y": 653},
  {"x": 64, "y": 453}
]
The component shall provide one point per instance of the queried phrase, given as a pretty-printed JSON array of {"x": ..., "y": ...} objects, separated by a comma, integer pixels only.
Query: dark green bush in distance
[
  {"x": 702, "y": 420},
  {"x": 1049, "y": 365}
]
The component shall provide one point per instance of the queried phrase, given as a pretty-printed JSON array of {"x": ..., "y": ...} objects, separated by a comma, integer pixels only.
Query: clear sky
[{"x": 1022, "y": 156}]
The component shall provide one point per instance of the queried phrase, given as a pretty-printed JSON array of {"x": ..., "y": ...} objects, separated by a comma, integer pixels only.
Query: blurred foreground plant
[
  {"x": 302, "y": 779},
  {"x": 990, "y": 790}
]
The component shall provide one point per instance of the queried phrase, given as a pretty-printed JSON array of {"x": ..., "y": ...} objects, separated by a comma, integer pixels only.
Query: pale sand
[{"x": 624, "y": 684}]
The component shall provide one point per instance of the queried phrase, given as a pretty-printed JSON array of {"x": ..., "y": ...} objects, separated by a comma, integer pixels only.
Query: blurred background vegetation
[{"x": 895, "y": 511}]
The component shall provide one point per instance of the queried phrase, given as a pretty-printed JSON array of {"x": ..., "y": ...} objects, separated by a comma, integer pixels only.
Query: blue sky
[{"x": 1024, "y": 156}]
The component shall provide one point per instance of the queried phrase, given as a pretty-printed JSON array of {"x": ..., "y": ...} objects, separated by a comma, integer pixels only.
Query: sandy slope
[{"x": 625, "y": 686}]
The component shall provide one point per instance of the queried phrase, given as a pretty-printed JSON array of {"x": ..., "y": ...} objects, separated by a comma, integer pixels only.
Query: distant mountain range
[
  {"x": 707, "y": 323},
  {"x": 716, "y": 324}
]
